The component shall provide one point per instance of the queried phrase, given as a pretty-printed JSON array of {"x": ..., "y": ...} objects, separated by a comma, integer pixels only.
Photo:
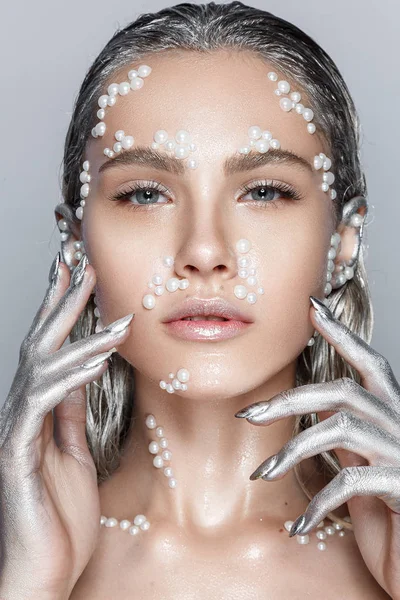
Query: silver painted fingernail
[
  {"x": 265, "y": 468},
  {"x": 297, "y": 526},
  {"x": 54, "y": 267},
  {"x": 79, "y": 271},
  {"x": 97, "y": 360},
  {"x": 120, "y": 324},
  {"x": 320, "y": 307}
]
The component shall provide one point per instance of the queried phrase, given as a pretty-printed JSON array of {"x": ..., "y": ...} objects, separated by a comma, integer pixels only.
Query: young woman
[{"x": 211, "y": 247}]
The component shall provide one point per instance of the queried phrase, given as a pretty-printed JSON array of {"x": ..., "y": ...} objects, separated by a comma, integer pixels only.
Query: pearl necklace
[{"x": 158, "y": 448}]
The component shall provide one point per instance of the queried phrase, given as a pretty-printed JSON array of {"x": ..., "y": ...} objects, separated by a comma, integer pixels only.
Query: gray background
[{"x": 46, "y": 48}]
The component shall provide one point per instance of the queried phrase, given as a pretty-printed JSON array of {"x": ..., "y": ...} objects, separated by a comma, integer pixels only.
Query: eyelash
[{"x": 286, "y": 190}]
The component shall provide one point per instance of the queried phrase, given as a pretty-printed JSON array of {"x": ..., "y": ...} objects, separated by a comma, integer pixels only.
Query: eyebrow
[{"x": 236, "y": 163}]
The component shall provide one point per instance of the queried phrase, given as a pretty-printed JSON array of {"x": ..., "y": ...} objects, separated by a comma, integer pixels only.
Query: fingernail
[
  {"x": 320, "y": 307},
  {"x": 251, "y": 411},
  {"x": 297, "y": 526},
  {"x": 54, "y": 267},
  {"x": 265, "y": 468},
  {"x": 79, "y": 271},
  {"x": 97, "y": 360},
  {"x": 120, "y": 324}
]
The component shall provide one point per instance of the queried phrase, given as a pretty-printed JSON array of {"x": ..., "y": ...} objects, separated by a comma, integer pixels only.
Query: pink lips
[{"x": 206, "y": 330}]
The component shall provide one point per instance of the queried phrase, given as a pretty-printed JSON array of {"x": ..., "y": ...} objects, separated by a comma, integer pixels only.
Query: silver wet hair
[{"x": 206, "y": 28}]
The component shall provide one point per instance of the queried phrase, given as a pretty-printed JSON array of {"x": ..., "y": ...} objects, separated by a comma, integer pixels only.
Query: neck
[{"x": 213, "y": 456}]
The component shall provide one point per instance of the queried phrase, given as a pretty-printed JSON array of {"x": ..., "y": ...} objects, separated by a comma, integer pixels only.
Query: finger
[
  {"x": 342, "y": 430},
  {"x": 58, "y": 282},
  {"x": 80, "y": 351},
  {"x": 375, "y": 371},
  {"x": 62, "y": 318},
  {"x": 339, "y": 395},
  {"x": 383, "y": 482},
  {"x": 26, "y": 426}
]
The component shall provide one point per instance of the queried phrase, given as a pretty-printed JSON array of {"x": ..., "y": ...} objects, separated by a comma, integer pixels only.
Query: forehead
[{"x": 216, "y": 97}]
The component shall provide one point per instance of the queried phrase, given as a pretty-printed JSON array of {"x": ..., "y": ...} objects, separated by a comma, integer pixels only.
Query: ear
[
  {"x": 351, "y": 229},
  {"x": 70, "y": 229}
]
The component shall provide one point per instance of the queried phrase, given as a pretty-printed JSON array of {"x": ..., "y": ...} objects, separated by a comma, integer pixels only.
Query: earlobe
[{"x": 70, "y": 233}]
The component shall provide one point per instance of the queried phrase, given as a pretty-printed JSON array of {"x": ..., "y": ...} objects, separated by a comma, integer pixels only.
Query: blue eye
[{"x": 263, "y": 193}]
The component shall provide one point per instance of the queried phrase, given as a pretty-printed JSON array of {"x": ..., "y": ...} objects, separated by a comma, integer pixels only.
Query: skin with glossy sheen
[{"x": 218, "y": 534}]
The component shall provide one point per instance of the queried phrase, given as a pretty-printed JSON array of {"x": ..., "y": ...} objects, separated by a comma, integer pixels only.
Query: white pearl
[
  {"x": 150, "y": 285},
  {"x": 85, "y": 190},
  {"x": 356, "y": 220},
  {"x": 349, "y": 272},
  {"x": 117, "y": 147},
  {"x": 182, "y": 151},
  {"x": 288, "y": 524},
  {"x": 254, "y": 132},
  {"x": 284, "y": 87},
  {"x": 171, "y": 375},
  {"x": 160, "y": 136},
  {"x": 341, "y": 534},
  {"x": 100, "y": 128},
  {"x": 327, "y": 289},
  {"x": 340, "y": 279},
  {"x": 308, "y": 114},
  {"x": 133, "y": 530},
  {"x": 163, "y": 442},
  {"x": 192, "y": 163},
  {"x": 295, "y": 96},
  {"x": 321, "y": 535},
  {"x": 322, "y": 155},
  {"x": 328, "y": 276},
  {"x": 168, "y": 261},
  {"x": 136, "y": 83},
  {"x": 139, "y": 519},
  {"x": 332, "y": 253},
  {"x": 78, "y": 255},
  {"x": 119, "y": 135},
  {"x": 172, "y": 482},
  {"x": 183, "y": 284},
  {"x": 244, "y": 150},
  {"x": 303, "y": 539},
  {"x": 124, "y": 524},
  {"x": 163, "y": 385},
  {"x": 333, "y": 194},
  {"x": 240, "y": 291},
  {"x": 149, "y": 301},
  {"x": 83, "y": 177},
  {"x": 272, "y": 76},
  {"x": 172, "y": 284},
  {"x": 182, "y": 136},
  {"x": 321, "y": 546},
  {"x": 327, "y": 164},
  {"x": 168, "y": 472},
  {"x": 113, "y": 89},
  {"x": 145, "y": 526},
  {"x": 157, "y": 279},
  {"x": 328, "y": 177},
  {"x": 299, "y": 108},
  {"x": 159, "y": 290},
  {"x": 243, "y": 273},
  {"x": 183, "y": 375},
  {"x": 151, "y": 422},
  {"x": 286, "y": 104},
  {"x": 329, "y": 530},
  {"x": 111, "y": 100},
  {"x": 176, "y": 384},
  {"x": 111, "y": 522},
  {"x": 101, "y": 113},
  {"x": 311, "y": 128},
  {"x": 252, "y": 280},
  {"x": 192, "y": 147},
  {"x": 170, "y": 388},
  {"x": 260, "y": 290},
  {"x": 318, "y": 162},
  {"x": 324, "y": 187},
  {"x": 166, "y": 455},
  {"x": 336, "y": 239},
  {"x": 243, "y": 246},
  {"x": 153, "y": 447},
  {"x": 127, "y": 142},
  {"x": 132, "y": 73},
  {"x": 79, "y": 212},
  {"x": 64, "y": 236},
  {"x": 158, "y": 462},
  {"x": 170, "y": 145},
  {"x": 102, "y": 101},
  {"x": 267, "y": 135},
  {"x": 86, "y": 165},
  {"x": 275, "y": 144},
  {"x": 160, "y": 432},
  {"x": 252, "y": 271},
  {"x": 63, "y": 225},
  {"x": 183, "y": 387},
  {"x": 124, "y": 88},
  {"x": 251, "y": 298},
  {"x": 337, "y": 526},
  {"x": 144, "y": 70},
  {"x": 103, "y": 519},
  {"x": 262, "y": 146},
  {"x": 243, "y": 262}
]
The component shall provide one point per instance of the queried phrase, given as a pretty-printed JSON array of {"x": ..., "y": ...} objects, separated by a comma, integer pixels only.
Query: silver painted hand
[
  {"x": 50, "y": 509},
  {"x": 365, "y": 420}
]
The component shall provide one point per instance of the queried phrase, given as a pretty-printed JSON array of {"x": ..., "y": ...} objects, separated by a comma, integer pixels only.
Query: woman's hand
[
  {"x": 49, "y": 501},
  {"x": 365, "y": 422}
]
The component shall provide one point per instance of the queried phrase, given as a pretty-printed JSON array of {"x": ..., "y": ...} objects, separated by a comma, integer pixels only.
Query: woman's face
[{"x": 198, "y": 215}]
